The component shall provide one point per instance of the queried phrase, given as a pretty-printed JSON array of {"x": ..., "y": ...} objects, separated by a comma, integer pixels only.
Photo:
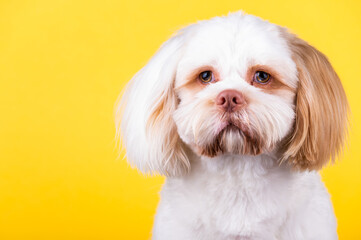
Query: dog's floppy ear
[
  {"x": 144, "y": 115},
  {"x": 321, "y": 109}
]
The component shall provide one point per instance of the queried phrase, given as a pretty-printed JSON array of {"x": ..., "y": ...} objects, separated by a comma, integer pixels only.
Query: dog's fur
[{"x": 245, "y": 174}]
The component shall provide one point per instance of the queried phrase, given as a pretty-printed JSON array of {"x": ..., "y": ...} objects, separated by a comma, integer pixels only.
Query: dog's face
[
  {"x": 233, "y": 85},
  {"x": 236, "y": 86}
]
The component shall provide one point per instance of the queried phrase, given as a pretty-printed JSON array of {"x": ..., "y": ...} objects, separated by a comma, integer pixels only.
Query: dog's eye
[
  {"x": 206, "y": 76},
  {"x": 261, "y": 77}
]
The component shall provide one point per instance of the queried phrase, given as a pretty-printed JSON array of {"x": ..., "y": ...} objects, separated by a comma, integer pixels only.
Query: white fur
[
  {"x": 244, "y": 198},
  {"x": 229, "y": 196}
]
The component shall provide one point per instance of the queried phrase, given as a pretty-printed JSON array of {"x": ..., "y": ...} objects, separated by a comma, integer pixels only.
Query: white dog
[{"x": 239, "y": 114}]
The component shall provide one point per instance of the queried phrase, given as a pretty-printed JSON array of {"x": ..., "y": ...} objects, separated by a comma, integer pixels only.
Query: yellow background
[{"x": 62, "y": 66}]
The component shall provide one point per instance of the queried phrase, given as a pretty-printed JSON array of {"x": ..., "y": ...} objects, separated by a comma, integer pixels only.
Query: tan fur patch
[
  {"x": 276, "y": 82},
  {"x": 242, "y": 143},
  {"x": 321, "y": 109},
  {"x": 194, "y": 84}
]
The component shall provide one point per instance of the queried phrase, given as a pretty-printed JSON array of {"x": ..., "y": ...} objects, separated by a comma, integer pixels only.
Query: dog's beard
[
  {"x": 250, "y": 131},
  {"x": 237, "y": 137}
]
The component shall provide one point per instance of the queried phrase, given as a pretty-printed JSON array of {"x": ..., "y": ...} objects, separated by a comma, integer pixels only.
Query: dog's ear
[
  {"x": 321, "y": 109},
  {"x": 144, "y": 115}
]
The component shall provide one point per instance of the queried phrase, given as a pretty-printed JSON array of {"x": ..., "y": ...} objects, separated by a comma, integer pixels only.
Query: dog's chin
[{"x": 233, "y": 139}]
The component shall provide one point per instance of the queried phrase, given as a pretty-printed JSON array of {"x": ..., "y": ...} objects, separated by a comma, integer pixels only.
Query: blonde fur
[{"x": 321, "y": 109}]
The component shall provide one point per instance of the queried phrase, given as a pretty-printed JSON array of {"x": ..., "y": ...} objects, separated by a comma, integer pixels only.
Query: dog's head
[{"x": 233, "y": 85}]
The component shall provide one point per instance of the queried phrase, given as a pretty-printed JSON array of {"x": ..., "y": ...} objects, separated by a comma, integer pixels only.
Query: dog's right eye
[{"x": 206, "y": 76}]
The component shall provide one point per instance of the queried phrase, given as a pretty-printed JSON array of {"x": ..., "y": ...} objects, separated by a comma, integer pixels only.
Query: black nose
[{"x": 230, "y": 100}]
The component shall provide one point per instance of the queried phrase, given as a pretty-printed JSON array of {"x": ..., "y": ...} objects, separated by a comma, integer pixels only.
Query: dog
[{"x": 239, "y": 114}]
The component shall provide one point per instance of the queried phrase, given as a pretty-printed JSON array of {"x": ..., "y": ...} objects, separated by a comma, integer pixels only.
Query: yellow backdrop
[{"x": 62, "y": 65}]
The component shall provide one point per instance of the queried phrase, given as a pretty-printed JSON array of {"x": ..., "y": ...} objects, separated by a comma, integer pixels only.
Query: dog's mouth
[
  {"x": 234, "y": 137},
  {"x": 237, "y": 126}
]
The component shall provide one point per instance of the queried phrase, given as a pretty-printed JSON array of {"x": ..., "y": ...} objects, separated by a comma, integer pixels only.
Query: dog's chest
[{"x": 232, "y": 204}]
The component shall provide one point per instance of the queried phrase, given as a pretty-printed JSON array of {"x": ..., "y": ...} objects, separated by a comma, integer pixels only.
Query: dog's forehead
[{"x": 237, "y": 42}]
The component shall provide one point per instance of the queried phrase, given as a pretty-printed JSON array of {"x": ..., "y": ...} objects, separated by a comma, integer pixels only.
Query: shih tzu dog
[{"x": 239, "y": 114}]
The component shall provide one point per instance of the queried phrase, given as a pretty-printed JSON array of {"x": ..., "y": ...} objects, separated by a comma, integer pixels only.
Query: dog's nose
[{"x": 230, "y": 100}]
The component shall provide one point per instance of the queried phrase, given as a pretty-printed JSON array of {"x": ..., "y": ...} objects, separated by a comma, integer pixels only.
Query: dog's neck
[
  {"x": 241, "y": 178},
  {"x": 236, "y": 171},
  {"x": 237, "y": 164},
  {"x": 236, "y": 194}
]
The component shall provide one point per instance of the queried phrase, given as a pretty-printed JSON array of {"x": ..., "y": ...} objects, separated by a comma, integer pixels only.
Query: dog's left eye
[
  {"x": 261, "y": 77},
  {"x": 206, "y": 76}
]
